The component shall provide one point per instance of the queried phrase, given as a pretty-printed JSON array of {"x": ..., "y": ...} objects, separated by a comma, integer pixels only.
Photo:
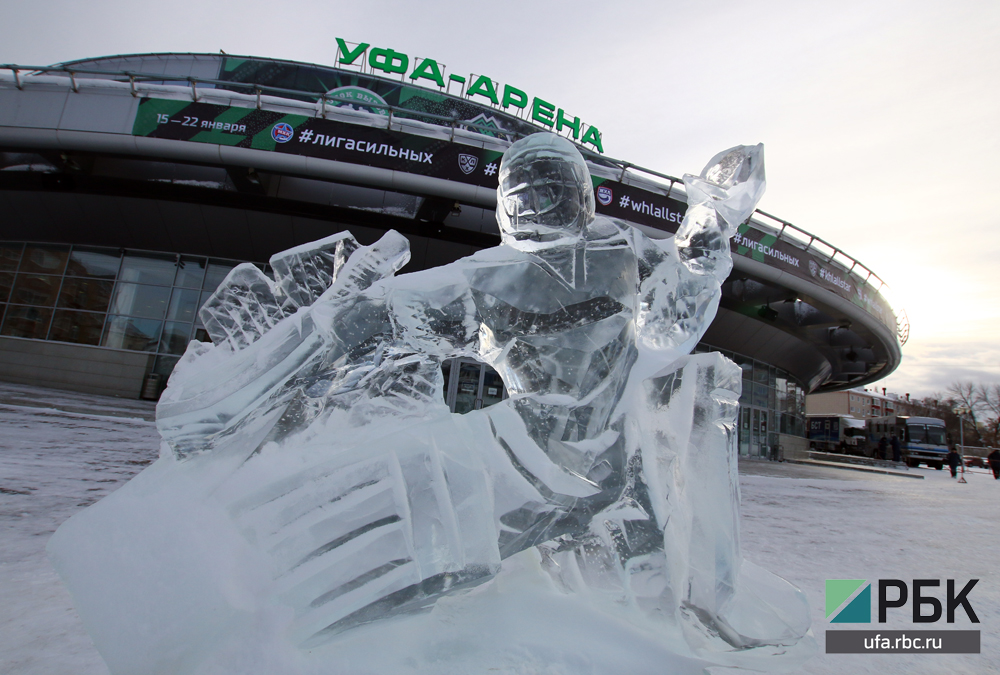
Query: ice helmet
[{"x": 545, "y": 195}]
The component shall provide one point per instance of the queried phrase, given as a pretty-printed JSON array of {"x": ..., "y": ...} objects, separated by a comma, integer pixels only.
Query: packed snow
[{"x": 61, "y": 451}]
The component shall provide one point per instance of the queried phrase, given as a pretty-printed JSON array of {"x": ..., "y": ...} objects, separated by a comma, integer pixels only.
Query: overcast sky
[{"x": 880, "y": 119}]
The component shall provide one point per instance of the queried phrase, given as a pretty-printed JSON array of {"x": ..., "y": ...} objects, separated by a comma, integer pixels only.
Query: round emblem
[{"x": 282, "y": 132}]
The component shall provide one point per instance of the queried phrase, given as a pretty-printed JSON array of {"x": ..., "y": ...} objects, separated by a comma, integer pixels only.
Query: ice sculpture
[{"x": 312, "y": 441}]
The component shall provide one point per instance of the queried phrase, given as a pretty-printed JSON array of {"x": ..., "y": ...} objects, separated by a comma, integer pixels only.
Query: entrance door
[
  {"x": 471, "y": 385},
  {"x": 745, "y": 430},
  {"x": 492, "y": 390},
  {"x": 759, "y": 437},
  {"x": 755, "y": 437}
]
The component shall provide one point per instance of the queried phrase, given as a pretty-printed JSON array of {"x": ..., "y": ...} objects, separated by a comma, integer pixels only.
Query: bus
[{"x": 922, "y": 439}]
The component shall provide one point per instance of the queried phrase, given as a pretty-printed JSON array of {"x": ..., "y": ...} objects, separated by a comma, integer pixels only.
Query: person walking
[
  {"x": 954, "y": 460},
  {"x": 897, "y": 455},
  {"x": 883, "y": 445},
  {"x": 994, "y": 458}
]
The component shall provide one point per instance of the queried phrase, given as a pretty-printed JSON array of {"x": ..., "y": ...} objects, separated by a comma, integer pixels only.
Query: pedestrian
[
  {"x": 994, "y": 458},
  {"x": 954, "y": 459},
  {"x": 897, "y": 455},
  {"x": 883, "y": 445}
]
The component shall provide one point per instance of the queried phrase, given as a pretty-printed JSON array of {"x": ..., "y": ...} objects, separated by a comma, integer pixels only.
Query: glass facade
[
  {"x": 135, "y": 300},
  {"x": 771, "y": 403}
]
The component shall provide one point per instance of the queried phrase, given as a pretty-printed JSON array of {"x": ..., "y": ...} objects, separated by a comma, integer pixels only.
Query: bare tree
[
  {"x": 967, "y": 396},
  {"x": 982, "y": 423},
  {"x": 989, "y": 399}
]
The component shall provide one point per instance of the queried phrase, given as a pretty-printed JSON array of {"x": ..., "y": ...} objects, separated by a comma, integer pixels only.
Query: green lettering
[
  {"x": 428, "y": 69},
  {"x": 484, "y": 87},
  {"x": 593, "y": 136},
  {"x": 563, "y": 122},
  {"x": 347, "y": 56},
  {"x": 512, "y": 96},
  {"x": 457, "y": 78},
  {"x": 542, "y": 111},
  {"x": 388, "y": 61}
]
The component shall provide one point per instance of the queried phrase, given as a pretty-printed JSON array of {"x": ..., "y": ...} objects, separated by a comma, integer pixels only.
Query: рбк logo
[
  {"x": 604, "y": 195},
  {"x": 282, "y": 132},
  {"x": 859, "y": 609},
  {"x": 467, "y": 163}
]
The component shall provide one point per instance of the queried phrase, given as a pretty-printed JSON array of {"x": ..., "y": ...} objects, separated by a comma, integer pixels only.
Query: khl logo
[
  {"x": 850, "y": 600},
  {"x": 604, "y": 195},
  {"x": 282, "y": 132},
  {"x": 467, "y": 163}
]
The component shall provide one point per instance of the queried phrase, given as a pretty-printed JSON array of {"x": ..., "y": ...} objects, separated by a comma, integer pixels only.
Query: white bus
[{"x": 923, "y": 440}]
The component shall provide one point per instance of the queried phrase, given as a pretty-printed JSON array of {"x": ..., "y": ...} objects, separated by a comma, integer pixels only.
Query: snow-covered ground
[
  {"x": 60, "y": 452},
  {"x": 811, "y": 524}
]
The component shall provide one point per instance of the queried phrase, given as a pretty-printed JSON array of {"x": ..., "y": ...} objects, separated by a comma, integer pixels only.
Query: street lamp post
[{"x": 961, "y": 432}]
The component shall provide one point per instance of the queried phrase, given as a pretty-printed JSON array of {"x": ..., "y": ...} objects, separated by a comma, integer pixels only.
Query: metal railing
[
  {"x": 259, "y": 89},
  {"x": 783, "y": 230}
]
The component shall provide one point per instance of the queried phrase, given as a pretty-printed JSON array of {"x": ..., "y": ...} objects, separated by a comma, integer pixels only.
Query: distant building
[{"x": 859, "y": 402}]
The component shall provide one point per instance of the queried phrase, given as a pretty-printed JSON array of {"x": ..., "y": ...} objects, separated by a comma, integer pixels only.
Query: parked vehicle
[
  {"x": 974, "y": 461},
  {"x": 836, "y": 433},
  {"x": 976, "y": 456},
  {"x": 923, "y": 440}
]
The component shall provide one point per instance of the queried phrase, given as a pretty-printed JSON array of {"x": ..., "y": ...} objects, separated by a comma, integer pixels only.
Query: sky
[{"x": 879, "y": 119}]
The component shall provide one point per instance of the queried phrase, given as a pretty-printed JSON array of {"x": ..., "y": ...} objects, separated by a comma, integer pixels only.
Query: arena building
[{"x": 131, "y": 185}]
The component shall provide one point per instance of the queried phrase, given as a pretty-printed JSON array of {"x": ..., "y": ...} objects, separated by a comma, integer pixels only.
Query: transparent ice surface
[{"x": 313, "y": 436}]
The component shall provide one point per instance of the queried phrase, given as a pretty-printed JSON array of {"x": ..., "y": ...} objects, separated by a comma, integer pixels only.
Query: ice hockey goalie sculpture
[{"x": 315, "y": 427}]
